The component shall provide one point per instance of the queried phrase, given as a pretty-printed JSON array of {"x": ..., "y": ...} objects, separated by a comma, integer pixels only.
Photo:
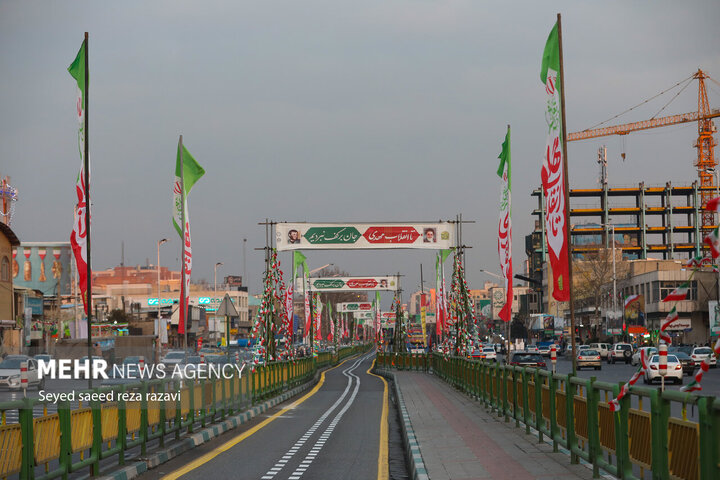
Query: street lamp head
[
  {"x": 218, "y": 264},
  {"x": 164, "y": 240}
]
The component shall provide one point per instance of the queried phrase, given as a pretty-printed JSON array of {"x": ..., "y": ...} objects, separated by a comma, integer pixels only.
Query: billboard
[
  {"x": 338, "y": 284},
  {"x": 714, "y": 310},
  {"x": 634, "y": 314},
  {"x": 344, "y": 236},
  {"x": 43, "y": 266},
  {"x": 485, "y": 308}
]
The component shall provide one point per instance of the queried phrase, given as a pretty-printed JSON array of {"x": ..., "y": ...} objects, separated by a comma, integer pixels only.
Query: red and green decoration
[
  {"x": 273, "y": 317},
  {"x": 462, "y": 312},
  {"x": 400, "y": 327}
]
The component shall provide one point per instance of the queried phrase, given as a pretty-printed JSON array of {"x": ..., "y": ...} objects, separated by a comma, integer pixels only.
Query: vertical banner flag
[
  {"x": 78, "y": 237},
  {"x": 552, "y": 174},
  {"x": 378, "y": 325},
  {"x": 505, "y": 227},
  {"x": 438, "y": 302},
  {"x": 187, "y": 172}
]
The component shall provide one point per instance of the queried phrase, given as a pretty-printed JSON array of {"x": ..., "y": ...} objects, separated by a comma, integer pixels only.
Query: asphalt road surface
[{"x": 332, "y": 432}]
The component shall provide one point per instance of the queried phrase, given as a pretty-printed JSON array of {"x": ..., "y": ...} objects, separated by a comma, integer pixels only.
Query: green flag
[
  {"x": 77, "y": 70},
  {"x": 551, "y": 55},
  {"x": 505, "y": 159},
  {"x": 444, "y": 254},
  {"x": 298, "y": 259},
  {"x": 192, "y": 172}
]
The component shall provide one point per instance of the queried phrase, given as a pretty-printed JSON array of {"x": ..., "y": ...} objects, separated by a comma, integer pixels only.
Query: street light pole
[
  {"x": 215, "y": 296},
  {"x": 157, "y": 329}
]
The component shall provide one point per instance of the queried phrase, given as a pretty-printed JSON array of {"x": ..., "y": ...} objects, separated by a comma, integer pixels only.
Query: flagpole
[
  {"x": 86, "y": 153},
  {"x": 183, "y": 303},
  {"x": 567, "y": 197}
]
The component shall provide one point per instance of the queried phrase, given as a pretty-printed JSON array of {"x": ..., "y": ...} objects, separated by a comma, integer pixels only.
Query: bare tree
[{"x": 594, "y": 274}]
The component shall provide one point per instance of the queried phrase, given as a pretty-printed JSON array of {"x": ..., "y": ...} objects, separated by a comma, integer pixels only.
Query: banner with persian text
[
  {"x": 337, "y": 284},
  {"x": 340, "y": 236},
  {"x": 353, "y": 307}
]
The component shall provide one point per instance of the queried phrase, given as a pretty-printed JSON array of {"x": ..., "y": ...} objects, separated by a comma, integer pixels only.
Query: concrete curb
[
  {"x": 201, "y": 437},
  {"x": 412, "y": 447}
]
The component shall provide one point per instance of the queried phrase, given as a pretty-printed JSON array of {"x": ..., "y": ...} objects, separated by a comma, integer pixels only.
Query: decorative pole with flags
[
  {"x": 187, "y": 172},
  {"x": 80, "y": 236},
  {"x": 505, "y": 233},
  {"x": 554, "y": 176}
]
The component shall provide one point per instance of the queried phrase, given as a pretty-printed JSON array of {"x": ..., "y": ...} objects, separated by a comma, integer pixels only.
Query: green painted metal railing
[
  {"x": 78, "y": 437},
  {"x": 573, "y": 413}
]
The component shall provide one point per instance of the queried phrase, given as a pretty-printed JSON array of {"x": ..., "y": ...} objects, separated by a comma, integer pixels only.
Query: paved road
[{"x": 333, "y": 433}]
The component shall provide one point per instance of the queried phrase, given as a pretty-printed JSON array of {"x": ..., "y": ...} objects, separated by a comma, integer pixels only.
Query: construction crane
[{"x": 705, "y": 143}]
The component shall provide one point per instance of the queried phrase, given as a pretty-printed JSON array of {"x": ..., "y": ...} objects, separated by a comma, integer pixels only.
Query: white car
[
  {"x": 544, "y": 350},
  {"x": 602, "y": 348},
  {"x": 649, "y": 352},
  {"x": 674, "y": 369},
  {"x": 488, "y": 353},
  {"x": 10, "y": 372},
  {"x": 701, "y": 353},
  {"x": 174, "y": 357},
  {"x": 532, "y": 349}
]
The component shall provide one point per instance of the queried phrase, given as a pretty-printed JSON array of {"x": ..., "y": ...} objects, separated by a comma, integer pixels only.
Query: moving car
[
  {"x": 701, "y": 353},
  {"x": 10, "y": 372},
  {"x": 532, "y": 349},
  {"x": 688, "y": 364},
  {"x": 526, "y": 359},
  {"x": 589, "y": 358},
  {"x": 602, "y": 348},
  {"x": 674, "y": 369},
  {"x": 488, "y": 353},
  {"x": 544, "y": 350},
  {"x": 620, "y": 352},
  {"x": 649, "y": 352}
]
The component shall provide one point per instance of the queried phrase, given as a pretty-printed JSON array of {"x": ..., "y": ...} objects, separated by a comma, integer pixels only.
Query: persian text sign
[
  {"x": 334, "y": 284},
  {"x": 353, "y": 307},
  {"x": 315, "y": 236}
]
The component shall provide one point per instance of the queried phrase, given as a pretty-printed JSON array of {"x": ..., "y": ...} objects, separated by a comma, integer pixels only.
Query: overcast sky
[{"x": 330, "y": 111}]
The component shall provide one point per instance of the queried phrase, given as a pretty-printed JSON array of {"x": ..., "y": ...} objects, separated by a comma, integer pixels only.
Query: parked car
[
  {"x": 674, "y": 369},
  {"x": 602, "y": 348},
  {"x": 45, "y": 357},
  {"x": 588, "y": 357},
  {"x": 526, "y": 359},
  {"x": 532, "y": 349},
  {"x": 620, "y": 352},
  {"x": 686, "y": 349},
  {"x": 649, "y": 352},
  {"x": 701, "y": 353},
  {"x": 174, "y": 357},
  {"x": 688, "y": 364},
  {"x": 10, "y": 372}
]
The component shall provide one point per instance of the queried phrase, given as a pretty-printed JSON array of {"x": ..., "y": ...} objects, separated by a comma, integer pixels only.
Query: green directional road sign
[{"x": 328, "y": 235}]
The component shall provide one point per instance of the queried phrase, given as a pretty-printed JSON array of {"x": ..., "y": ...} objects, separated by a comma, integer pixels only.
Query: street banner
[
  {"x": 634, "y": 312},
  {"x": 353, "y": 307},
  {"x": 80, "y": 234},
  {"x": 552, "y": 173},
  {"x": 363, "y": 315},
  {"x": 346, "y": 236},
  {"x": 187, "y": 172},
  {"x": 339, "y": 284},
  {"x": 714, "y": 310},
  {"x": 505, "y": 227}
]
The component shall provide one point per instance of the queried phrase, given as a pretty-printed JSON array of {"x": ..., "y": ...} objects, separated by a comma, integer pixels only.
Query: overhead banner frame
[{"x": 363, "y": 236}]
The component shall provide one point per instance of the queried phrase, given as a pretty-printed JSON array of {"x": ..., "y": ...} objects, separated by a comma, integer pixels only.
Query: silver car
[{"x": 10, "y": 372}]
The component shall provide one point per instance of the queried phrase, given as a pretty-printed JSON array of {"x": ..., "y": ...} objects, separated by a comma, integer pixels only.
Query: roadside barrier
[
  {"x": 81, "y": 434},
  {"x": 574, "y": 414}
]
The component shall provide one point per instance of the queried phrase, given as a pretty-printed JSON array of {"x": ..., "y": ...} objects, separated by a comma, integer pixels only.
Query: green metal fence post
[
  {"x": 503, "y": 369},
  {"x": 526, "y": 409},
  {"x": 709, "y": 416},
  {"x": 659, "y": 415},
  {"x": 572, "y": 442},
  {"x": 191, "y": 413},
  {"x": 96, "y": 435},
  {"x": 538, "y": 404},
  {"x": 594, "y": 450},
  {"x": 554, "y": 430},
  {"x": 27, "y": 470},
  {"x": 65, "y": 459},
  {"x": 143, "y": 419},
  {"x": 122, "y": 426},
  {"x": 622, "y": 448}
]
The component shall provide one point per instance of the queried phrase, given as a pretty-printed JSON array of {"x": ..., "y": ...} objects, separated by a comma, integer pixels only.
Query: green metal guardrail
[
  {"x": 79, "y": 438},
  {"x": 574, "y": 413}
]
